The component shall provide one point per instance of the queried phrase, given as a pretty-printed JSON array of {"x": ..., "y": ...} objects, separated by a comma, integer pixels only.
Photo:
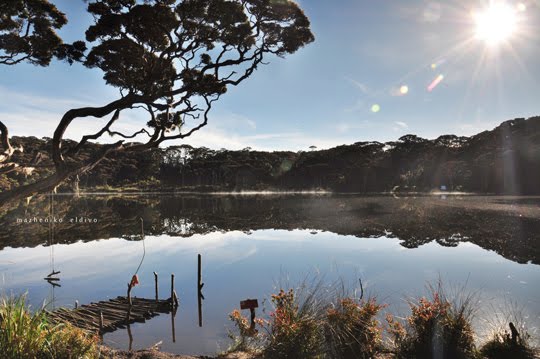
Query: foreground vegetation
[
  {"x": 24, "y": 334},
  {"x": 316, "y": 323},
  {"x": 312, "y": 321}
]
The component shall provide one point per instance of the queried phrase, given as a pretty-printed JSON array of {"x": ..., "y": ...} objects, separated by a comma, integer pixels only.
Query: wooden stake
[
  {"x": 156, "y": 286},
  {"x": 200, "y": 285},
  {"x": 199, "y": 273},
  {"x": 129, "y": 295},
  {"x": 130, "y": 335},
  {"x": 515, "y": 333},
  {"x": 172, "y": 289}
]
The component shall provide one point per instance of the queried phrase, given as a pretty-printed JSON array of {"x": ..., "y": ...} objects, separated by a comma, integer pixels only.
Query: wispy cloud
[
  {"x": 401, "y": 124},
  {"x": 364, "y": 89},
  {"x": 30, "y": 115},
  {"x": 19, "y": 102},
  {"x": 217, "y": 138},
  {"x": 345, "y": 127},
  {"x": 421, "y": 12}
]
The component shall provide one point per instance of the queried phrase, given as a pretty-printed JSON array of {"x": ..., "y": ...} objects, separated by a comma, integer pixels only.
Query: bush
[
  {"x": 66, "y": 341},
  {"x": 28, "y": 335},
  {"x": 501, "y": 346},
  {"x": 312, "y": 323},
  {"x": 508, "y": 336},
  {"x": 247, "y": 340},
  {"x": 293, "y": 329},
  {"x": 352, "y": 330},
  {"x": 435, "y": 328}
]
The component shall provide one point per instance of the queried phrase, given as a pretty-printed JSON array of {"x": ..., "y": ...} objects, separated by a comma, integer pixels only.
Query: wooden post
[
  {"x": 174, "y": 299},
  {"x": 128, "y": 315},
  {"x": 130, "y": 335},
  {"x": 200, "y": 285},
  {"x": 199, "y": 273},
  {"x": 156, "y": 286},
  {"x": 514, "y": 332},
  {"x": 172, "y": 286},
  {"x": 129, "y": 295},
  {"x": 250, "y": 304},
  {"x": 100, "y": 321}
]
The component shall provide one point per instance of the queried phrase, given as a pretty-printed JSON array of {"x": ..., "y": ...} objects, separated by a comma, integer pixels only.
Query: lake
[{"x": 252, "y": 244}]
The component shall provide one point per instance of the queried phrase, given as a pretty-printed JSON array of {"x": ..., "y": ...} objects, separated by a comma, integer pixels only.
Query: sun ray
[{"x": 473, "y": 80}]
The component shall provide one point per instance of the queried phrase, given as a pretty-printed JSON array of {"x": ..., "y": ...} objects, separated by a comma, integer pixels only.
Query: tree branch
[
  {"x": 51, "y": 182},
  {"x": 125, "y": 102},
  {"x": 95, "y": 136}
]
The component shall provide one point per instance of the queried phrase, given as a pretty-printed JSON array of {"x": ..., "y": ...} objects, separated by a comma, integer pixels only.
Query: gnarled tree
[{"x": 174, "y": 59}]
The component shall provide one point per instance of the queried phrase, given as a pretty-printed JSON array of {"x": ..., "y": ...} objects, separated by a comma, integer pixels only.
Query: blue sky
[{"x": 323, "y": 95}]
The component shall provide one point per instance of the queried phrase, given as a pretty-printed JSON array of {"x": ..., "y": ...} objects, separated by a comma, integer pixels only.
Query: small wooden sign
[{"x": 249, "y": 304}]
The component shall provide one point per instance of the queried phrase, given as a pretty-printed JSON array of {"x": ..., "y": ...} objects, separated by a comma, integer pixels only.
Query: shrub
[
  {"x": 247, "y": 340},
  {"x": 352, "y": 330},
  {"x": 435, "y": 328},
  {"x": 501, "y": 346},
  {"x": 28, "y": 335},
  {"x": 293, "y": 329},
  {"x": 512, "y": 343},
  {"x": 67, "y": 341}
]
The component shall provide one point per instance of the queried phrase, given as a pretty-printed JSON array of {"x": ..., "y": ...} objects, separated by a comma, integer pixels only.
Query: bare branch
[
  {"x": 113, "y": 133},
  {"x": 95, "y": 136}
]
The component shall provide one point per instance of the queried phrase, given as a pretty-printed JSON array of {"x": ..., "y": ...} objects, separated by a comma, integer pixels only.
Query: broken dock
[{"x": 110, "y": 315}]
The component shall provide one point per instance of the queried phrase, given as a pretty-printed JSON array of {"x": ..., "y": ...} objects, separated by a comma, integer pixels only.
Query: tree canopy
[
  {"x": 175, "y": 58},
  {"x": 172, "y": 58},
  {"x": 28, "y": 33}
]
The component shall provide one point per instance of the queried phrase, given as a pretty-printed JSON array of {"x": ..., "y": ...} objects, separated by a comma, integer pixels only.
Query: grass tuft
[
  {"x": 24, "y": 334},
  {"x": 437, "y": 327}
]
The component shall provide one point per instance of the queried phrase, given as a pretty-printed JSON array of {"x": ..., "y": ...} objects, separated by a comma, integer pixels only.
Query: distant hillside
[{"x": 504, "y": 160}]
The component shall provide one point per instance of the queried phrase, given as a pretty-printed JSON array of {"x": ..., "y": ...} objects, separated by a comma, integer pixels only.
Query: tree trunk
[
  {"x": 49, "y": 183},
  {"x": 7, "y": 150},
  {"x": 96, "y": 112}
]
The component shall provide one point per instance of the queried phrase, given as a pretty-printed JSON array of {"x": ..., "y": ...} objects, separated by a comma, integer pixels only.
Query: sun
[{"x": 496, "y": 24}]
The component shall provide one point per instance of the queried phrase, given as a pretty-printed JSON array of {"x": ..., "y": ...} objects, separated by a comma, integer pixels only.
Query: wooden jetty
[{"x": 108, "y": 316}]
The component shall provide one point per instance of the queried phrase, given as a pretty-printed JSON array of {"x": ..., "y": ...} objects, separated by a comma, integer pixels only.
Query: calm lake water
[{"x": 251, "y": 244}]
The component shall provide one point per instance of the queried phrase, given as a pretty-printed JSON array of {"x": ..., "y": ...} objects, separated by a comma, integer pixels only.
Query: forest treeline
[{"x": 503, "y": 160}]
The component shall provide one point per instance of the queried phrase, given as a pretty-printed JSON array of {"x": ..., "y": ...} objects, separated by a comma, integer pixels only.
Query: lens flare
[
  {"x": 435, "y": 82},
  {"x": 437, "y": 64},
  {"x": 375, "y": 108},
  {"x": 404, "y": 90}
]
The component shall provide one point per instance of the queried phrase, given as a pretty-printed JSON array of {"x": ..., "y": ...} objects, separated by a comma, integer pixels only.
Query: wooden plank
[{"x": 111, "y": 314}]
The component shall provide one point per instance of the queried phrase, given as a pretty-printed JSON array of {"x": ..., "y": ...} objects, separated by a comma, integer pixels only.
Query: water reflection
[
  {"x": 508, "y": 225},
  {"x": 248, "y": 244}
]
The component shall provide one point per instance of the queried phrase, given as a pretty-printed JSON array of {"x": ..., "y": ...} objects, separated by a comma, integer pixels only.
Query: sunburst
[{"x": 496, "y": 24}]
